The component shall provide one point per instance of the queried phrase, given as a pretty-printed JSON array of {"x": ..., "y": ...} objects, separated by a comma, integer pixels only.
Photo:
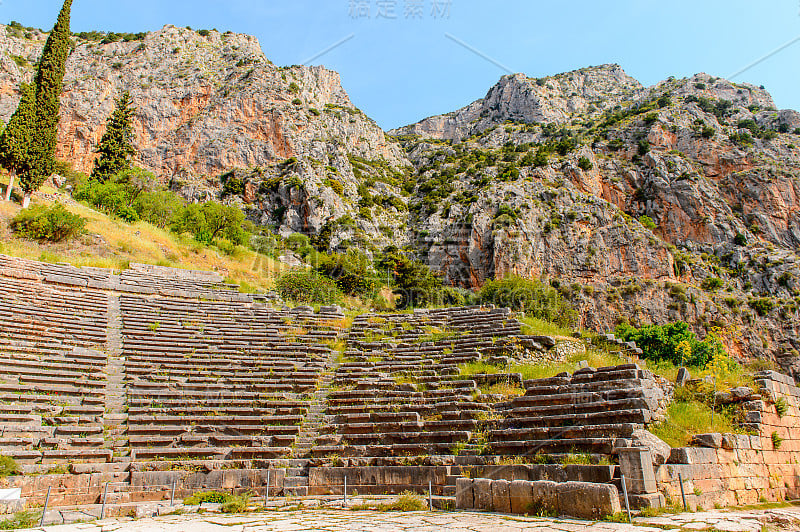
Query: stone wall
[
  {"x": 735, "y": 469},
  {"x": 575, "y": 499}
]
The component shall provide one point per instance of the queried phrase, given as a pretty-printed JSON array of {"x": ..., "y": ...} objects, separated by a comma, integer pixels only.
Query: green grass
[
  {"x": 536, "y": 327},
  {"x": 478, "y": 368},
  {"x": 26, "y": 519},
  {"x": 546, "y": 369},
  {"x": 408, "y": 502},
  {"x": 687, "y": 418},
  {"x": 8, "y": 466}
]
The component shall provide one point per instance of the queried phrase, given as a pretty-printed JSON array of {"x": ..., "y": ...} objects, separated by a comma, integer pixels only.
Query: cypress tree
[
  {"x": 116, "y": 146},
  {"x": 14, "y": 140},
  {"x": 37, "y": 132}
]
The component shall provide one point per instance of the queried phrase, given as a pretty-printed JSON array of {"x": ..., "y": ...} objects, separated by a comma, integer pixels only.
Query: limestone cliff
[
  {"x": 210, "y": 103},
  {"x": 646, "y": 204},
  {"x": 677, "y": 201}
]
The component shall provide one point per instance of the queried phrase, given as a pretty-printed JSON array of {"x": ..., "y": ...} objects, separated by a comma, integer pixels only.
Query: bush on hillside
[
  {"x": 110, "y": 197},
  {"x": 673, "y": 342},
  {"x": 53, "y": 224},
  {"x": 308, "y": 287},
  {"x": 210, "y": 221},
  {"x": 533, "y": 297},
  {"x": 8, "y": 466},
  {"x": 161, "y": 208},
  {"x": 352, "y": 271},
  {"x": 415, "y": 285}
]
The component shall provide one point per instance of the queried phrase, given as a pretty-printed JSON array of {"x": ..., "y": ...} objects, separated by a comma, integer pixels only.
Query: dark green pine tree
[
  {"x": 116, "y": 146},
  {"x": 14, "y": 140},
  {"x": 43, "y": 133}
]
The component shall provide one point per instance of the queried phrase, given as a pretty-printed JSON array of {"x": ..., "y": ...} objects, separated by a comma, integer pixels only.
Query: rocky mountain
[
  {"x": 208, "y": 104},
  {"x": 642, "y": 204},
  {"x": 677, "y": 201}
]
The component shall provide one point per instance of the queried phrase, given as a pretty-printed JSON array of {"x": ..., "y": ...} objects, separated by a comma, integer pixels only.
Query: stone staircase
[
  {"x": 296, "y": 482},
  {"x": 115, "y": 418}
]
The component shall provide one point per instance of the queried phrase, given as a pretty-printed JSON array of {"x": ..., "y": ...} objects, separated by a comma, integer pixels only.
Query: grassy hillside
[{"x": 111, "y": 243}]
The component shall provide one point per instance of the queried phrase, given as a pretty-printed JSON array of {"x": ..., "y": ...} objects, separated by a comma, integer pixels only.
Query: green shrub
[
  {"x": 159, "y": 208},
  {"x": 647, "y": 222},
  {"x": 762, "y": 305},
  {"x": 233, "y": 187},
  {"x": 352, "y": 272},
  {"x": 308, "y": 287},
  {"x": 673, "y": 342},
  {"x": 533, "y": 297},
  {"x": 776, "y": 441},
  {"x": 711, "y": 283},
  {"x": 415, "y": 285},
  {"x": 53, "y": 224},
  {"x": 585, "y": 164},
  {"x": 109, "y": 196},
  {"x": 8, "y": 466},
  {"x": 408, "y": 502},
  {"x": 643, "y": 147},
  {"x": 211, "y": 220},
  {"x": 740, "y": 239},
  {"x": 231, "y": 504},
  {"x": 781, "y": 406},
  {"x": 336, "y": 186}
]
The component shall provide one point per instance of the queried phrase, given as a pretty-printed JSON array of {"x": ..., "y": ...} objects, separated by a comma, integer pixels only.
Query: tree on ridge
[
  {"x": 28, "y": 148},
  {"x": 116, "y": 147}
]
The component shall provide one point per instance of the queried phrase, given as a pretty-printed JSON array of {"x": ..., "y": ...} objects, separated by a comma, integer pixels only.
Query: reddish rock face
[{"x": 717, "y": 182}]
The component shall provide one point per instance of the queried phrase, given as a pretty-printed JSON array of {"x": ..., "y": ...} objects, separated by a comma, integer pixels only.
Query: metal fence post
[
  {"x": 46, "y": 502},
  {"x": 103, "y": 507},
  {"x": 683, "y": 493},
  {"x": 172, "y": 495},
  {"x": 345, "y": 490},
  {"x": 430, "y": 495},
  {"x": 266, "y": 494},
  {"x": 627, "y": 504}
]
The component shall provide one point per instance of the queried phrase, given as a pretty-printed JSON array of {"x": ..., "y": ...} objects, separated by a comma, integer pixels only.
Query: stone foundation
[
  {"x": 575, "y": 499},
  {"x": 736, "y": 469}
]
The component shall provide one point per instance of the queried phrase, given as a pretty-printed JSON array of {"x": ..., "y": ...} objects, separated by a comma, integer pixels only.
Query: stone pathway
[
  {"x": 349, "y": 521},
  {"x": 115, "y": 418}
]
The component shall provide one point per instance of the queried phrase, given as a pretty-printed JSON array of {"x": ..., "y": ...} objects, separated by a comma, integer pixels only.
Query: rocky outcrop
[
  {"x": 678, "y": 202},
  {"x": 518, "y": 98},
  {"x": 208, "y": 104},
  {"x": 643, "y": 204}
]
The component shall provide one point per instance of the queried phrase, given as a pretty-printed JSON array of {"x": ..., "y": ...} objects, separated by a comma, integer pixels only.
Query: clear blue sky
[{"x": 403, "y": 69}]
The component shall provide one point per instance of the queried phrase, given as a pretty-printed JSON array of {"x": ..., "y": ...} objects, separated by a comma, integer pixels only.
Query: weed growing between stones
[
  {"x": 407, "y": 502},
  {"x": 230, "y": 504},
  {"x": 26, "y": 519}
]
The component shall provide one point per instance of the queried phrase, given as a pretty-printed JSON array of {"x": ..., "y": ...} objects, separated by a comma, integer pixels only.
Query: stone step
[{"x": 294, "y": 482}]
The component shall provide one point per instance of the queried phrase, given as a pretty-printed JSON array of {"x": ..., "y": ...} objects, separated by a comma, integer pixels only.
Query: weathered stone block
[
  {"x": 521, "y": 495},
  {"x": 588, "y": 501},
  {"x": 659, "y": 450},
  {"x": 712, "y": 440},
  {"x": 464, "y": 496},
  {"x": 544, "y": 497},
  {"x": 636, "y": 465},
  {"x": 692, "y": 455},
  {"x": 482, "y": 492},
  {"x": 501, "y": 501}
]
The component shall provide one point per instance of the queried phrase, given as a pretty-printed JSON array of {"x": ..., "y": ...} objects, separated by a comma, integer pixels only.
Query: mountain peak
[{"x": 519, "y": 98}]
